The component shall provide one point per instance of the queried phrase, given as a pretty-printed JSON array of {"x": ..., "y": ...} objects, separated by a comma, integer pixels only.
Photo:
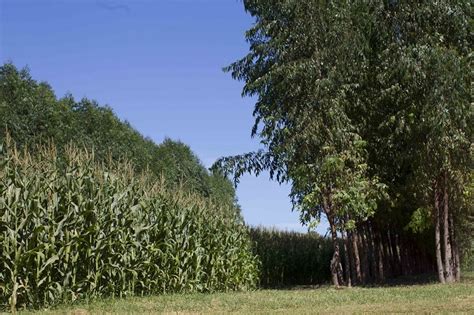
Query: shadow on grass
[
  {"x": 411, "y": 280},
  {"x": 421, "y": 279}
]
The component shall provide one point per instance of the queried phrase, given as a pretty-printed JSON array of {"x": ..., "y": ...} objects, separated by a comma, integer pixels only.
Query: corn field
[
  {"x": 73, "y": 228},
  {"x": 291, "y": 258}
]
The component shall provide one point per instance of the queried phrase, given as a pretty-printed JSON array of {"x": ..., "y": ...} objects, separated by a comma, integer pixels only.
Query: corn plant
[
  {"x": 291, "y": 258},
  {"x": 73, "y": 228}
]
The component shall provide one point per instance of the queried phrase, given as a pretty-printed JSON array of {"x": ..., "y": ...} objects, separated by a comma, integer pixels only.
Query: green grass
[{"x": 425, "y": 298}]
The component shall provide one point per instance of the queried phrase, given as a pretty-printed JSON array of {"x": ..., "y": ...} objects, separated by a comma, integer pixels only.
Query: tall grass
[
  {"x": 291, "y": 258},
  {"x": 73, "y": 228}
]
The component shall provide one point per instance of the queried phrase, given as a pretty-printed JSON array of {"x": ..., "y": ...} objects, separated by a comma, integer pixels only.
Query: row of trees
[
  {"x": 32, "y": 114},
  {"x": 365, "y": 108}
]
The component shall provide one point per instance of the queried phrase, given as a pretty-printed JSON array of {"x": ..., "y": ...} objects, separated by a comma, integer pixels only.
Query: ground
[{"x": 417, "y": 298}]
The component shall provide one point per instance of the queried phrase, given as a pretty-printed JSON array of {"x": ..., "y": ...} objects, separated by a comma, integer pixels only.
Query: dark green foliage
[
  {"x": 73, "y": 228},
  {"x": 291, "y": 258},
  {"x": 179, "y": 165},
  {"x": 365, "y": 107}
]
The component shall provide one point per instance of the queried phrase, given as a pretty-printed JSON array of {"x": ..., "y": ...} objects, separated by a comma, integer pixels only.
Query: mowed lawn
[{"x": 425, "y": 298}]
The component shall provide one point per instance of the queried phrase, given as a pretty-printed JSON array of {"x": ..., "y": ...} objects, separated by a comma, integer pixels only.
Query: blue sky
[{"x": 158, "y": 64}]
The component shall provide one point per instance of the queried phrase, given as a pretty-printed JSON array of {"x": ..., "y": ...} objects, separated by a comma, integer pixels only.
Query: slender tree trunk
[
  {"x": 457, "y": 262},
  {"x": 391, "y": 252},
  {"x": 355, "y": 251},
  {"x": 448, "y": 262},
  {"x": 340, "y": 272},
  {"x": 363, "y": 253},
  {"x": 380, "y": 258},
  {"x": 439, "y": 261},
  {"x": 336, "y": 267},
  {"x": 397, "y": 253},
  {"x": 368, "y": 255},
  {"x": 335, "y": 261},
  {"x": 372, "y": 249},
  {"x": 375, "y": 244},
  {"x": 455, "y": 249},
  {"x": 347, "y": 261},
  {"x": 350, "y": 236},
  {"x": 386, "y": 254}
]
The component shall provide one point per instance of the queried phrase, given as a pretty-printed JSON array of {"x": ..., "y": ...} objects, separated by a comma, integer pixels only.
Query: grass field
[{"x": 420, "y": 298}]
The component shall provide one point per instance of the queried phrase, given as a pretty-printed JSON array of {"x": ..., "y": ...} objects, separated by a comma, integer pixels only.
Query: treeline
[
  {"x": 291, "y": 258},
  {"x": 365, "y": 109},
  {"x": 76, "y": 228},
  {"x": 32, "y": 114}
]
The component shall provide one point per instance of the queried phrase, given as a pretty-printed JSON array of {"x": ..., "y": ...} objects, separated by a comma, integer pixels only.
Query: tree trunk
[
  {"x": 380, "y": 258},
  {"x": 391, "y": 252},
  {"x": 398, "y": 252},
  {"x": 368, "y": 255},
  {"x": 347, "y": 261},
  {"x": 457, "y": 262},
  {"x": 335, "y": 261},
  {"x": 336, "y": 267},
  {"x": 448, "y": 263},
  {"x": 364, "y": 254},
  {"x": 455, "y": 249},
  {"x": 350, "y": 236},
  {"x": 355, "y": 251},
  {"x": 439, "y": 261},
  {"x": 372, "y": 250}
]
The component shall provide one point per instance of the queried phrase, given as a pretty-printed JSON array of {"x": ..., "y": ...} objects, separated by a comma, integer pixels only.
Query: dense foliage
[
  {"x": 74, "y": 228},
  {"x": 108, "y": 212},
  {"x": 32, "y": 114},
  {"x": 291, "y": 258},
  {"x": 365, "y": 108}
]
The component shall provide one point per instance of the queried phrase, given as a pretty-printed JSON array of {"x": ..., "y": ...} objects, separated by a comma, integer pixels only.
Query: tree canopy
[{"x": 364, "y": 107}]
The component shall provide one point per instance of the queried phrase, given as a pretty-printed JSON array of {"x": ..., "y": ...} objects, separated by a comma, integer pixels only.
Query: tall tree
[
  {"x": 424, "y": 76},
  {"x": 297, "y": 67},
  {"x": 351, "y": 95}
]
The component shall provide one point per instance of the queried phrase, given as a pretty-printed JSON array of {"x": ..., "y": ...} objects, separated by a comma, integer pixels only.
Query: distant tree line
[
  {"x": 32, "y": 114},
  {"x": 364, "y": 107}
]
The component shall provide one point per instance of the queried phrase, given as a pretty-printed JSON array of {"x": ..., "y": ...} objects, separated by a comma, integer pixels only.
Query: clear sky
[{"x": 158, "y": 64}]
